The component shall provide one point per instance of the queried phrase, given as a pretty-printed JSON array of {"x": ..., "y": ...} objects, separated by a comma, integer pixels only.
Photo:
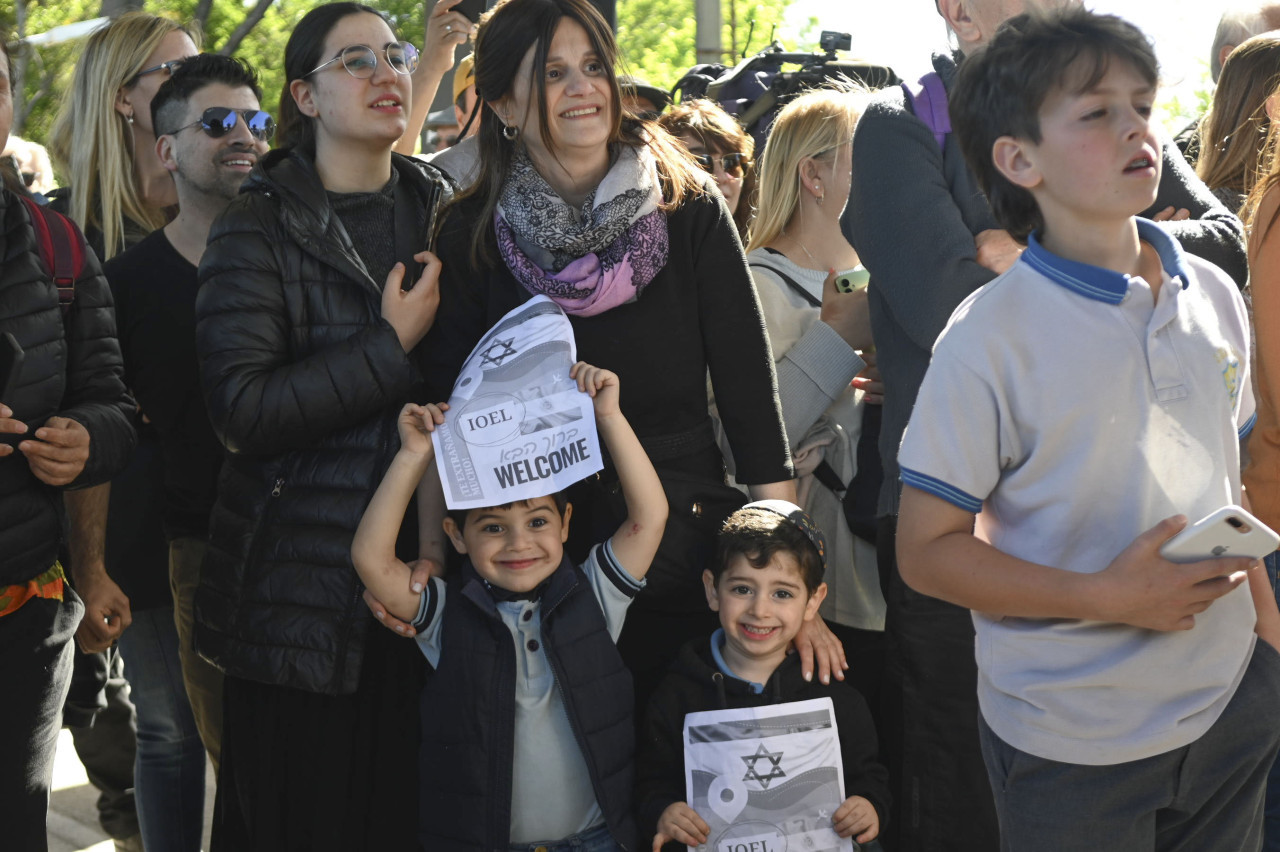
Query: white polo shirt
[{"x": 1072, "y": 413}]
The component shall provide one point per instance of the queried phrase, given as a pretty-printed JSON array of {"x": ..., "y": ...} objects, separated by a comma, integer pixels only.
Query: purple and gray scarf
[{"x": 589, "y": 260}]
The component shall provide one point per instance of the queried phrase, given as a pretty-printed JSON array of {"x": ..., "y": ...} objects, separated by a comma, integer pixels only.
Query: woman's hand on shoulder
[{"x": 412, "y": 312}]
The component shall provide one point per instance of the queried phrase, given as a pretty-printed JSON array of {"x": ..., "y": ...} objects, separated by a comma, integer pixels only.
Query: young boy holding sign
[
  {"x": 765, "y": 583},
  {"x": 527, "y": 733}
]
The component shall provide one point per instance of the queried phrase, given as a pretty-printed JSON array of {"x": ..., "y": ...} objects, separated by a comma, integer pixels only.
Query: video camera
[{"x": 756, "y": 88}]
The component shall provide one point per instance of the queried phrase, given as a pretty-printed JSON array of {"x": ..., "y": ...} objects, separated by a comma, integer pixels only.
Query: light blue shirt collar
[
  {"x": 1105, "y": 285},
  {"x": 717, "y": 642}
]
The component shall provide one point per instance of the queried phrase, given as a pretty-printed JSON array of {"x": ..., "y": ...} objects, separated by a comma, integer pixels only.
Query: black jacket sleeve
[
  {"x": 1213, "y": 232},
  {"x": 737, "y": 350},
  {"x": 864, "y": 774},
  {"x": 262, "y": 398},
  {"x": 95, "y": 394},
  {"x": 659, "y": 764}
]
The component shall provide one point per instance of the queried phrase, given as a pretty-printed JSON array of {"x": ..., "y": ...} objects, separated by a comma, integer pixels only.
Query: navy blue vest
[{"x": 468, "y": 713}]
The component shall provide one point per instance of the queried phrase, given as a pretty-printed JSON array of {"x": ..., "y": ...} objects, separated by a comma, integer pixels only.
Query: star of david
[
  {"x": 498, "y": 352},
  {"x": 775, "y": 770}
]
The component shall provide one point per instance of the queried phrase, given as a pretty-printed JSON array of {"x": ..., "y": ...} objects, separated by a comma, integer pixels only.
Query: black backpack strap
[
  {"x": 790, "y": 282},
  {"x": 61, "y": 248}
]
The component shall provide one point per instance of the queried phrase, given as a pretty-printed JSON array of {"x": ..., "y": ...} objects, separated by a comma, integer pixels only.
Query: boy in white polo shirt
[{"x": 1076, "y": 411}]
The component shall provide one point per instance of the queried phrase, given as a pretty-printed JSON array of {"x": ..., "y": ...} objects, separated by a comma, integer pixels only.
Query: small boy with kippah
[{"x": 765, "y": 583}]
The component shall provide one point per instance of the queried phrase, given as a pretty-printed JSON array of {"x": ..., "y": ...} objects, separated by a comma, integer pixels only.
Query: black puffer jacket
[
  {"x": 72, "y": 368},
  {"x": 303, "y": 380},
  {"x": 695, "y": 684}
]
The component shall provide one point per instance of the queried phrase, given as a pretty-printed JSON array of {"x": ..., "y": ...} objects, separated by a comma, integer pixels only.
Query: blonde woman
[
  {"x": 821, "y": 340},
  {"x": 103, "y": 141},
  {"x": 1234, "y": 131}
]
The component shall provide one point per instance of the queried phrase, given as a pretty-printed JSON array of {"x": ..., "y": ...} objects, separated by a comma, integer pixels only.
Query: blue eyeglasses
[{"x": 219, "y": 121}]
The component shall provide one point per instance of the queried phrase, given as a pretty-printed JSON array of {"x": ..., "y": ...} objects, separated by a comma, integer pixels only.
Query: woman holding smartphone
[
  {"x": 821, "y": 338},
  {"x": 305, "y": 337}
]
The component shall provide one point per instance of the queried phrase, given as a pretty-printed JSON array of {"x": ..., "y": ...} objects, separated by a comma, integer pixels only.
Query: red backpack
[{"x": 62, "y": 248}]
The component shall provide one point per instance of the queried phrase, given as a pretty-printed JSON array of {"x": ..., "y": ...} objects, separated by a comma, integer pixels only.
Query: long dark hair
[
  {"x": 301, "y": 54},
  {"x": 506, "y": 34}
]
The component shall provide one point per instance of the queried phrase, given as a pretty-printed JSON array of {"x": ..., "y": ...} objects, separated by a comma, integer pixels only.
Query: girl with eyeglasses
[
  {"x": 306, "y": 339},
  {"x": 722, "y": 149},
  {"x": 607, "y": 216}
]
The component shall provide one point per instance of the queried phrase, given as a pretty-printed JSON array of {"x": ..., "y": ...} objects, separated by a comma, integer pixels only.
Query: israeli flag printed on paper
[
  {"x": 766, "y": 779},
  {"x": 517, "y": 426}
]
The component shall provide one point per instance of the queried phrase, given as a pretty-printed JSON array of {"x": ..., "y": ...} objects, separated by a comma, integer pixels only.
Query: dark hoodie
[{"x": 695, "y": 684}]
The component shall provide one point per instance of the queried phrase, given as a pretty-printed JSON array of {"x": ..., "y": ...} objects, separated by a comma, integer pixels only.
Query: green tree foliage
[
  {"x": 49, "y": 69},
  {"x": 656, "y": 37}
]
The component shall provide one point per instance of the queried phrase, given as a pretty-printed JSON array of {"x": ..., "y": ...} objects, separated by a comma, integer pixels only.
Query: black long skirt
[{"x": 302, "y": 771}]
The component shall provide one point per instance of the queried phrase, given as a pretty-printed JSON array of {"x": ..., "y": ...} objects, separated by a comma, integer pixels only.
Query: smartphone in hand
[
  {"x": 471, "y": 9},
  {"x": 852, "y": 280},
  {"x": 1230, "y": 531}
]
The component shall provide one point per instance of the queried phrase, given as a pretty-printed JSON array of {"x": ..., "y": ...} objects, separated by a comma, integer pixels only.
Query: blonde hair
[
  {"x": 91, "y": 141},
  {"x": 813, "y": 125},
  {"x": 1233, "y": 132}
]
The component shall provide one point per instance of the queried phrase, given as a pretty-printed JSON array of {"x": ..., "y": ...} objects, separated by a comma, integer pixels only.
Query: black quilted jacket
[
  {"x": 71, "y": 368},
  {"x": 303, "y": 380}
]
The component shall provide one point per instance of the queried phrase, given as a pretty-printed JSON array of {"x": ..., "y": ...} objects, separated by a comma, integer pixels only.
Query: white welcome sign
[{"x": 517, "y": 426}]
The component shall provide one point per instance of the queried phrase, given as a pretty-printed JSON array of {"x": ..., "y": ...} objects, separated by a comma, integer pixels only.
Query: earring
[
  {"x": 510, "y": 132},
  {"x": 129, "y": 118}
]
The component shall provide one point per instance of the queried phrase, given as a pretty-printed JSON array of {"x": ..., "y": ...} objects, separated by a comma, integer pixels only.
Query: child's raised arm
[
  {"x": 374, "y": 548},
  {"x": 636, "y": 541}
]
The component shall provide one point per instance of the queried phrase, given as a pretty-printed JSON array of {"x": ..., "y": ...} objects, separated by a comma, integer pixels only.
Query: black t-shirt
[{"x": 155, "y": 293}]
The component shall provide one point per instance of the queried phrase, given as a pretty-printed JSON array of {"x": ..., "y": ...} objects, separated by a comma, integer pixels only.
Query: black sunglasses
[
  {"x": 731, "y": 163},
  {"x": 167, "y": 67},
  {"x": 219, "y": 121}
]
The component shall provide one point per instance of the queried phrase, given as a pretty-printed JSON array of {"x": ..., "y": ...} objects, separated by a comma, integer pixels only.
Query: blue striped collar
[{"x": 1101, "y": 284}]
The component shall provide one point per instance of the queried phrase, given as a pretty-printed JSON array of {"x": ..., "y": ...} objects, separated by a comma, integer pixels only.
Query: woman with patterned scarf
[{"x": 605, "y": 214}]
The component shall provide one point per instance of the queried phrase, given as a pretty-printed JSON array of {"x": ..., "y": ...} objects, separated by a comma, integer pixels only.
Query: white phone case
[{"x": 1230, "y": 531}]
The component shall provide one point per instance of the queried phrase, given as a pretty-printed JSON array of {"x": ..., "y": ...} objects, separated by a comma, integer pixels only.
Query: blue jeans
[
  {"x": 595, "y": 840},
  {"x": 1271, "y": 819},
  {"x": 170, "y": 767}
]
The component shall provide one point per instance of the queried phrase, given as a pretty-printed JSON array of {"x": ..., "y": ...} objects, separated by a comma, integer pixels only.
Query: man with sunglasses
[{"x": 210, "y": 133}]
